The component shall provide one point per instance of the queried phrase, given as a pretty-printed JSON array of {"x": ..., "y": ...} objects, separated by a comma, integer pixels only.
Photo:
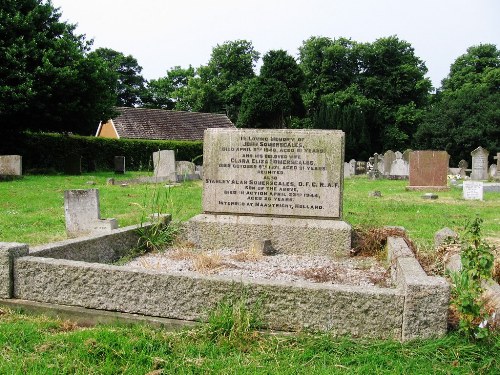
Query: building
[{"x": 160, "y": 124}]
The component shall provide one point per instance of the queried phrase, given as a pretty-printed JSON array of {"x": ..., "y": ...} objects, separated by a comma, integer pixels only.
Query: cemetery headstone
[
  {"x": 493, "y": 171},
  {"x": 479, "y": 164},
  {"x": 164, "y": 164},
  {"x": 185, "y": 170},
  {"x": 463, "y": 165},
  {"x": 497, "y": 158},
  {"x": 11, "y": 165},
  {"x": 73, "y": 165},
  {"x": 374, "y": 172},
  {"x": 389, "y": 157},
  {"x": 360, "y": 167},
  {"x": 443, "y": 236},
  {"x": 381, "y": 164},
  {"x": 406, "y": 155},
  {"x": 82, "y": 213},
  {"x": 429, "y": 170},
  {"x": 473, "y": 190},
  {"x": 399, "y": 167},
  {"x": 281, "y": 185},
  {"x": 119, "y": 164}
]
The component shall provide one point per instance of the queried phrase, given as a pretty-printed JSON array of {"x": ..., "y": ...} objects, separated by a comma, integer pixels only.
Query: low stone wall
[
  {"x": 415, "y": 308},
  {"x": 97, "y": 248}
]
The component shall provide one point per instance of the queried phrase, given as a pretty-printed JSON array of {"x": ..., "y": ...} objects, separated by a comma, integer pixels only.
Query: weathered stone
[
  {"x": 389, "y": 158},
  {"x": 375, "y": 193},
  {"x": 11, "y": 165},
  {"x": 82, "y": 213},
  {"x": 360, "y": 168},
  {"x": 292, "y": 173},
  {"x": 164, "y": 164},
  {"x": 186, "y": 171},
  {"x": 430, "y": 196},
  {"x": 119, "y": 164},
  {"x": 444, "y": 235},
  {"x": 110, "y": 181},
  {"x": 264, "y": 247},
  {"x": 473, "y": 190},
  {"x": 479, "y": 164},
  {"x": 429, "y": 170}
]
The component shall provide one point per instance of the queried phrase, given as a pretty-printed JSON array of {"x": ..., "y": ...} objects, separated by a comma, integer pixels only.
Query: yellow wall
[{"x": 107, "y": 131}]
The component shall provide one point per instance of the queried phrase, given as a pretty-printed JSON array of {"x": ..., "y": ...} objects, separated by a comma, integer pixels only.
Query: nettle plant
[{"x": 477, "y": 264}]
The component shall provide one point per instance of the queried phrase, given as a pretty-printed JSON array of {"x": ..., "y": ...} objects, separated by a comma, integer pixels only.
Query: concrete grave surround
[
  {"x": 473, "y": 190},
  {"x": 429, "y": 170},
  {"x": 479, "y": 164},
  {"x": 285, "y": 185},
  {"x": 11, "y": 165},
  {"x": 164, "y": 165},
  {"x": 82, "y": 213},
  {"x": 74, "y": 273}
]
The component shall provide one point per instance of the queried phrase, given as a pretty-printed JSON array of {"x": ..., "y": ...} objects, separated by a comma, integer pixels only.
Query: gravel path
[{"x": 290, "y": 268}]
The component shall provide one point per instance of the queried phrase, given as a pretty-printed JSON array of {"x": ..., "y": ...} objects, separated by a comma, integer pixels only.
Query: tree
[
  {"x": 168, "y": 92},
  {"x": 48, "y": 81},
  {"x": 265, "y": 104},
  {"x": 279, "y": 65},
  {"x": 130, "y": 83}
]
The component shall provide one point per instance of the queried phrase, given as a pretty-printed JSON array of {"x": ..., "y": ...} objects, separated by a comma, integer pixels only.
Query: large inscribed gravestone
[
  {"x": 429, "y": 170},
  {"x": 281, "y": 185}
]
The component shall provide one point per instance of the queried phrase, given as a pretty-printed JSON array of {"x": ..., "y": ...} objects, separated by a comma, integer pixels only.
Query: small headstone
[
  {"x": 493, "y": 171},
  {"x": 406, "y": 155},
  {"x": 82, "y": 213},
  {"x": 430, "y": 196},
  {"x": 11, "y": 165},
  {"x": 479, "y": 164},
  {"x": 429, "y": 169},
  {"x": 164, "y": 164},
  {"x": 199, "y": 171},
  {"x": 473, "y": 190},
  {"x": 263, "y": 247},
  {"x": 374, "y": 173},
  {"x": 376, "y": 194},
  {"x": 90, "y": 182},
  {"x": 119, "y": 164},
  {"x": 110, "y": 181},
  {"x": 185, "y": 170},
  {"x": 444, "y": 235},
  {"x": 73, "y": 165},
  {"x": 399, "y": 168},
  {"x": 360, "y": 167},
  {"x": 389, "y": 157},
  {"x": 463, "y": 165}
]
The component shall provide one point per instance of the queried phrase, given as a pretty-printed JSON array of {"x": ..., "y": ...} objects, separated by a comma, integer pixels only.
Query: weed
[
  {"x": 251, "y": 255},
  {"x": 205, "y": 262},
  {"x": 234, "y": 320},
  {"x": 477, "y": 264},
  {"x": 372, "y": 241}
]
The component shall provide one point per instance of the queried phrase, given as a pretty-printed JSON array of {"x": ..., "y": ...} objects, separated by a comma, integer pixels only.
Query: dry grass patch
[
  {"x": 252, "y": 255},
  {"x": 207, "y": 263},
  {"x": 372, "y": 241}
]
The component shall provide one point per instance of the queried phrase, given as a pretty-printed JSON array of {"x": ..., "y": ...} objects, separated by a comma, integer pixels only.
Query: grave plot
[{"x": 276, "y": 190}]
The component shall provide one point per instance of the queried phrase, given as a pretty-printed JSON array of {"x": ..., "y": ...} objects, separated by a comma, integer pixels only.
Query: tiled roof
[{"x": 143, "y": 123}]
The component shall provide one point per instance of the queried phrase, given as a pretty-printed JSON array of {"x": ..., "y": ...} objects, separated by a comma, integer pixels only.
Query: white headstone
[
  {"x": 479, "y": 164},
  {"x": 473, "y": 190}
]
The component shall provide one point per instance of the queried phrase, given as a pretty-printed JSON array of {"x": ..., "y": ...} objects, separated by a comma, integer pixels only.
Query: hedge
[{"x": 48, "y": 152}]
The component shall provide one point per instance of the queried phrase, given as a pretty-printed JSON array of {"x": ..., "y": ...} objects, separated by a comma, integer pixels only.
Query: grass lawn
[
  {"x": 39, "y": 345},
  {"x": 32, "y": 209}
]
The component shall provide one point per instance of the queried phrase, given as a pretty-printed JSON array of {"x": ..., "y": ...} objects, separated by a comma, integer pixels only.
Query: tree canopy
[{"x": 48, "y": 80}]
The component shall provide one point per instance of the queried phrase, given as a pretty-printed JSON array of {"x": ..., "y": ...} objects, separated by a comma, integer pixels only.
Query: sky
[{"x": 162, "y": 34}]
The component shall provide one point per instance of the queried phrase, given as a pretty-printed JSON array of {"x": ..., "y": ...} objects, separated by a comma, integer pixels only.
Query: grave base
[
  {"x": 287, "y": 235},
  {"x": 428, "y": 188}
]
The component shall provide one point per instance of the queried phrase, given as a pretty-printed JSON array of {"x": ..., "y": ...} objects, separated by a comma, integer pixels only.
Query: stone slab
[
  {"x": 81, "y": 209},
  {"x": 479, "y": 164},
  {"x": 287, "y": 235},
  {"x": 283, "y": 172},
  {"x": 429, "y": 168},
  {"x": 11, "y": 165},
  {"x": 119, "y": 163}
]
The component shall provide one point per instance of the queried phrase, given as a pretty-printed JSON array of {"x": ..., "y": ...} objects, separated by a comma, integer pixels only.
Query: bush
[{"x": 47, "y": 151}]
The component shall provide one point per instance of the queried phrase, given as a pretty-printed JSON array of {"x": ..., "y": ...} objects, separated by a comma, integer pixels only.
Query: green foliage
[
  {"x": 465, "y": 115},
  {"x": 265, "y": 104},
  {"x": 477, "y": 264},
  {"x": 233, "y": 320},
  {"x": 42, "y": 151},
  {"x": 48, "y": 81},
  {"x": 130, "y": 83}
]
